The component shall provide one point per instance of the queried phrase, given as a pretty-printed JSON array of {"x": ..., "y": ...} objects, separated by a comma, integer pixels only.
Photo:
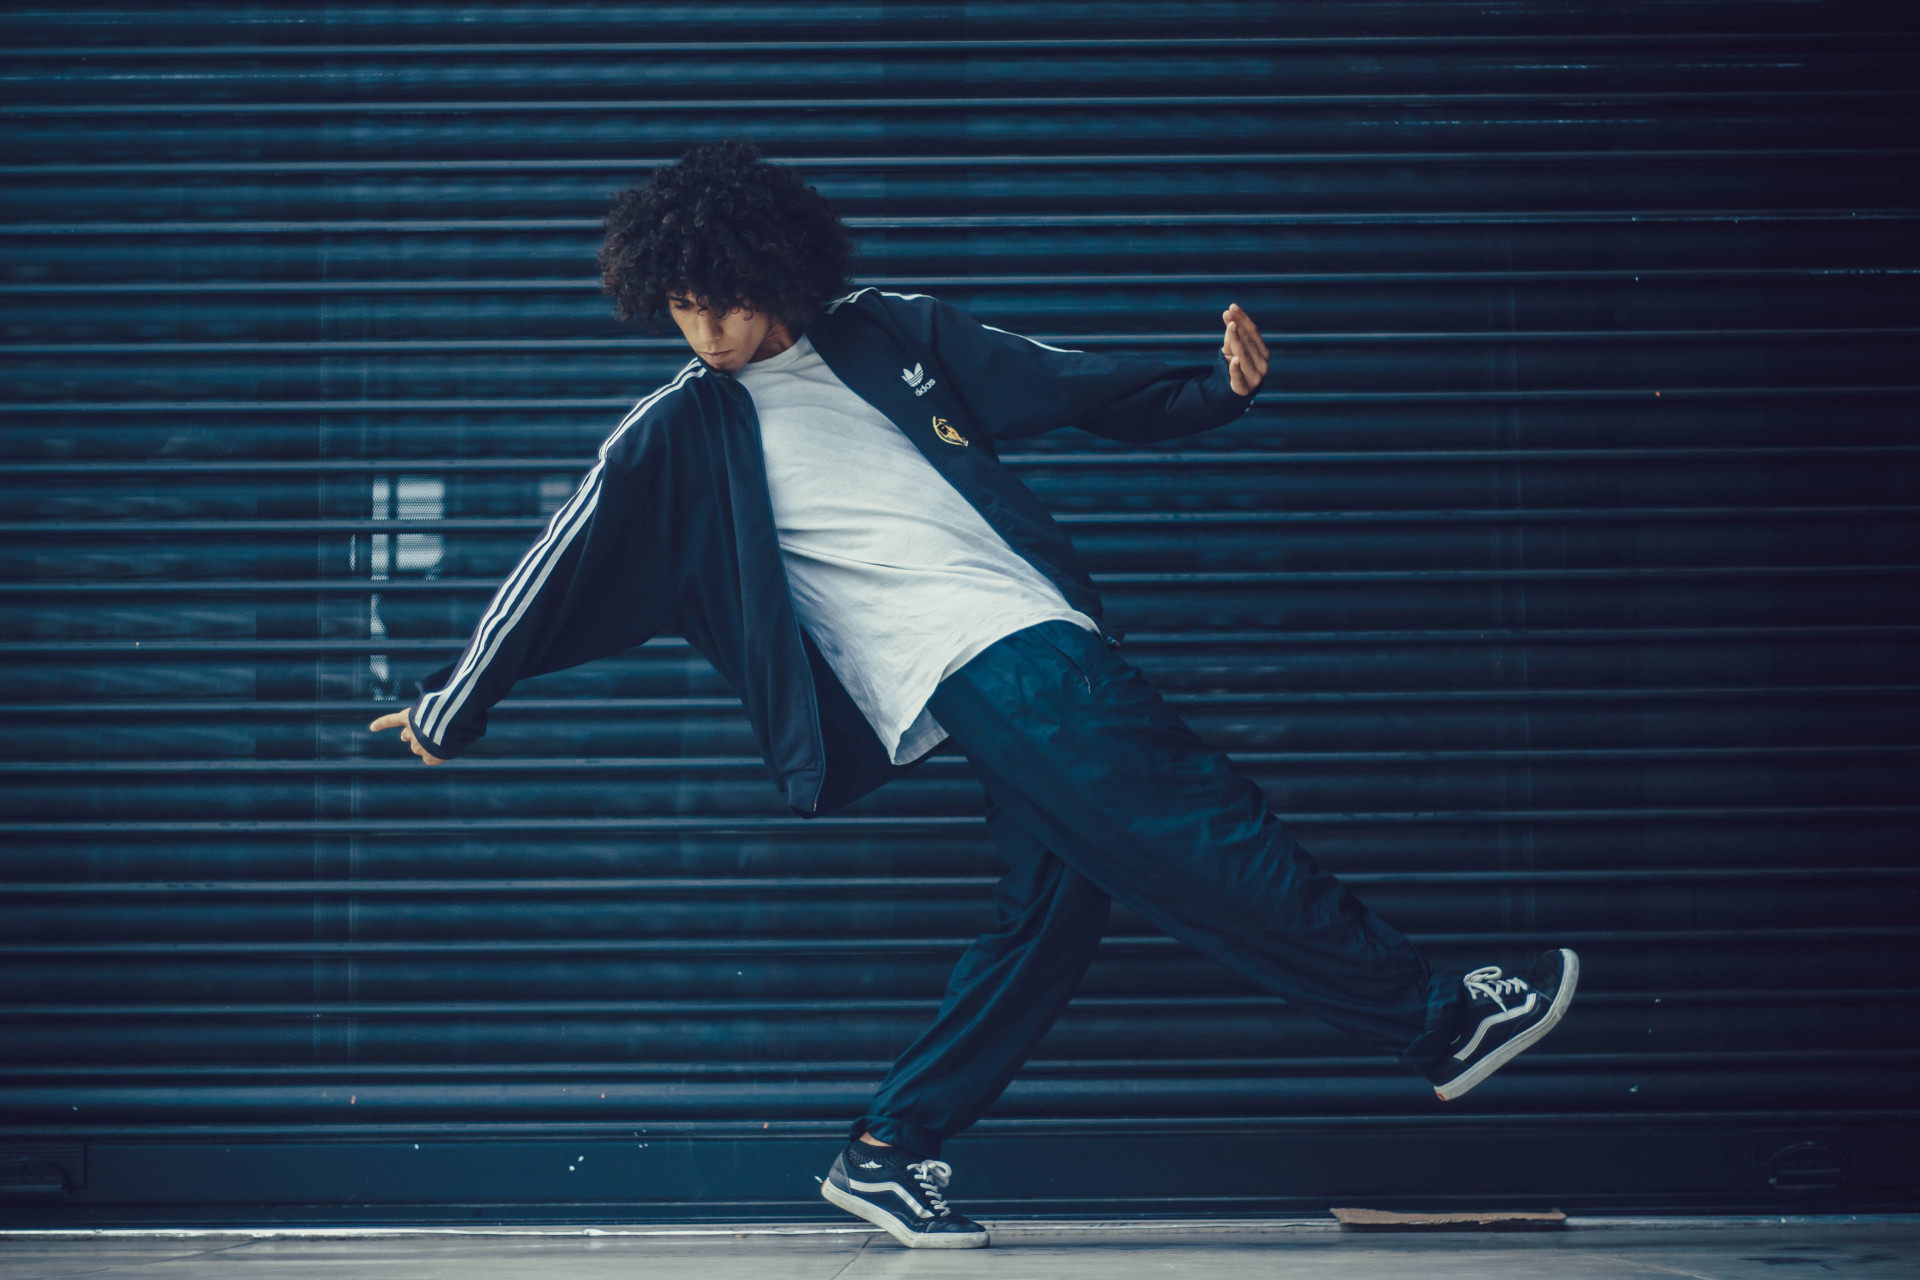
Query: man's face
[{"x": 725, "y": 340}]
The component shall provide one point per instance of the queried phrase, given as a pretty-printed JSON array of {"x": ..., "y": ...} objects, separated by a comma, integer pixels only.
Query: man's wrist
[{"x": 1223, "y": 377}]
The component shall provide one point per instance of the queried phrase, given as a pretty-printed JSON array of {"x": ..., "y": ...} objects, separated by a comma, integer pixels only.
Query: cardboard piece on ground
[{"x": 1387, "y": 1220}]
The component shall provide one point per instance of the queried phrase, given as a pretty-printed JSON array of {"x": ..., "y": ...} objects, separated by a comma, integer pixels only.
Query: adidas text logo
[{"x": 917, "y": 379}]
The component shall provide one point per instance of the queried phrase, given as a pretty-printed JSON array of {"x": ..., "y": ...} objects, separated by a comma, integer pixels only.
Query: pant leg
[
  {"x": 1006, "y": 991},
  {"x": 1076, "y": 747}
]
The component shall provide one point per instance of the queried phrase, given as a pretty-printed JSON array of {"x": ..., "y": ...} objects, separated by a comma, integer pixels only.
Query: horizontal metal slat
[
  {"x": 1343, "y": 638},
  {"x": 322, "y": 349},
  {"x": 918, "y": 826},
  {"x": 1086, "y": 519},
  {"x": 1631, "y": 37},
  {"x": 444, "y": 586},
  {"x": 745, "y": 884},
  {"x": 94, "y": 470},
  {"x": 588, "y": 227},
  {"x": 1087, "y": 1008},
  {"x": 1773, "y": 156},
  {"x": 44, "y": 950},
  {"x": 174, "y": 290},
  {"x": 227, "y": 766},
  {"x": 1874, "y": 98},
  {"x": 1276, "y": 400},
  {"x": 1267, "y": 699},
  {"x": 1538, "y": 1089},
  {"x": 485, "y": 23}
]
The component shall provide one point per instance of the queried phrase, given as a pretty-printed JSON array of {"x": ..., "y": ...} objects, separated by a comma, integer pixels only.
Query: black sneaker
[
  {"x": 1505, "y": 1016},
  {"x": 901, "y": 1195}
]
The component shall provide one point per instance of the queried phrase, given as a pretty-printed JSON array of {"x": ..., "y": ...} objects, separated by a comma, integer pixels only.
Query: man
[{"x": 816, "y": 503}]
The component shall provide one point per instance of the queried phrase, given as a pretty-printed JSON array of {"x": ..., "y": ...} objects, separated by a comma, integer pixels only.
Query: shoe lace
[
  {"x": 1488, "y": 982},
  {"x": 933, "y": 1175}
]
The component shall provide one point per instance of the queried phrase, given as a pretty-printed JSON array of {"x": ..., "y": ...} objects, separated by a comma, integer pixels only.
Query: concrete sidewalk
[{"x": 1720, "y": 1249}]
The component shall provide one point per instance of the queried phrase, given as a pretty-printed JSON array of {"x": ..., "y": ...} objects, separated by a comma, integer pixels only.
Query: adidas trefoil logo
[{"x": 917, "y": 379}]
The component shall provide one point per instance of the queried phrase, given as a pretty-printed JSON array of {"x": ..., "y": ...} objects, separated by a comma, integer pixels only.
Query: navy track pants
[{"x": 1097, "y": 791}]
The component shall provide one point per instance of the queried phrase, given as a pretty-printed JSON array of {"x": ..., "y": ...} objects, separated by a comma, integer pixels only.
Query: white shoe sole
[
  {"x": 891, "y": 1225},
  {"x": 1507, "y": 1052}
]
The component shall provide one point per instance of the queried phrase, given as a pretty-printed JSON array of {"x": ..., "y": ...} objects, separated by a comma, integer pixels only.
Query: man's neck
[{"x": 776, "y": 341}]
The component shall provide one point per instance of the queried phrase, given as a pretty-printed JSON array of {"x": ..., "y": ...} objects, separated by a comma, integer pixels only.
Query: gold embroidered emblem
[{"x": 946, "y": 432}]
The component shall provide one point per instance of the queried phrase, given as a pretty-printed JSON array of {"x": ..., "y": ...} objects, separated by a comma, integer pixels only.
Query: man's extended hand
[
  {"x": 402, "y": 721},
  {"x": 1245, "y": 351}
]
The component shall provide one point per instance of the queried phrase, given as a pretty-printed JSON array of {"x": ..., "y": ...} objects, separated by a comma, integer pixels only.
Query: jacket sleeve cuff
[
  {"x": 454, "y": 739},
  {"x": 447, "y": 747},
  {"x": 1217, "y": 390}
]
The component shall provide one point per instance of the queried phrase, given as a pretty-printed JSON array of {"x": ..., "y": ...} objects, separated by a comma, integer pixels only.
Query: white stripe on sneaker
[
  {"x": 894, "y": 1187},
  {"x": 1480, "y": 1032}
]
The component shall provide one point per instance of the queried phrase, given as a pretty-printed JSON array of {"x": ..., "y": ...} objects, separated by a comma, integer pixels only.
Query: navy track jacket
[{"x": 672, "y": 529}]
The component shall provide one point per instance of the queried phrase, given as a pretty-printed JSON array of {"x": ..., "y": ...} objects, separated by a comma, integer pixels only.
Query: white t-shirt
[{"x": 895, "y": 575}]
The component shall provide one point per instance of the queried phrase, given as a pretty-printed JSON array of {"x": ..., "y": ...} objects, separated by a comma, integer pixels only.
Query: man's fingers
[
  {"x": 1236, "y": 340},
  {"x": 1237, "y": 376},
  {"x": 1252, "y": 363},
  {"x": 1241, "y": 323},
  {"x": 402, "y": 721},
  {"x": 1245, "y": 353},
  {"x": 1241, "y": 330},
  {"x": 1255, "y": 358},
  {"x": 1248, "y": 330},
  {"x": 1244, "y": 340}
]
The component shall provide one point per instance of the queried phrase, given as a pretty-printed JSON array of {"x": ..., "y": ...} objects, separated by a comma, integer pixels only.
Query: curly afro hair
[{"x": 727, "y": 229}]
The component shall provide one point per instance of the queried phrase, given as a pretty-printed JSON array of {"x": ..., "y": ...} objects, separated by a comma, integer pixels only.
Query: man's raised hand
[
  {"x": 1245, "y": 351},
  {"x": 402, "y": 721}
]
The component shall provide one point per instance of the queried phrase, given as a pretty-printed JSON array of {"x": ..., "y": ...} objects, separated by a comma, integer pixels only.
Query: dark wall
[{"x": 1560, "y": 589}]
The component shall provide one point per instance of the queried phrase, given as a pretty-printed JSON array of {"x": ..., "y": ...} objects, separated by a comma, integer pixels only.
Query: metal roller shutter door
[{"x": 1561, "y": 589}]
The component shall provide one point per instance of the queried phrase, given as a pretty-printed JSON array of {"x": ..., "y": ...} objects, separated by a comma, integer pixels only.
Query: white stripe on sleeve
[{"x": 1072, "y": 351}]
